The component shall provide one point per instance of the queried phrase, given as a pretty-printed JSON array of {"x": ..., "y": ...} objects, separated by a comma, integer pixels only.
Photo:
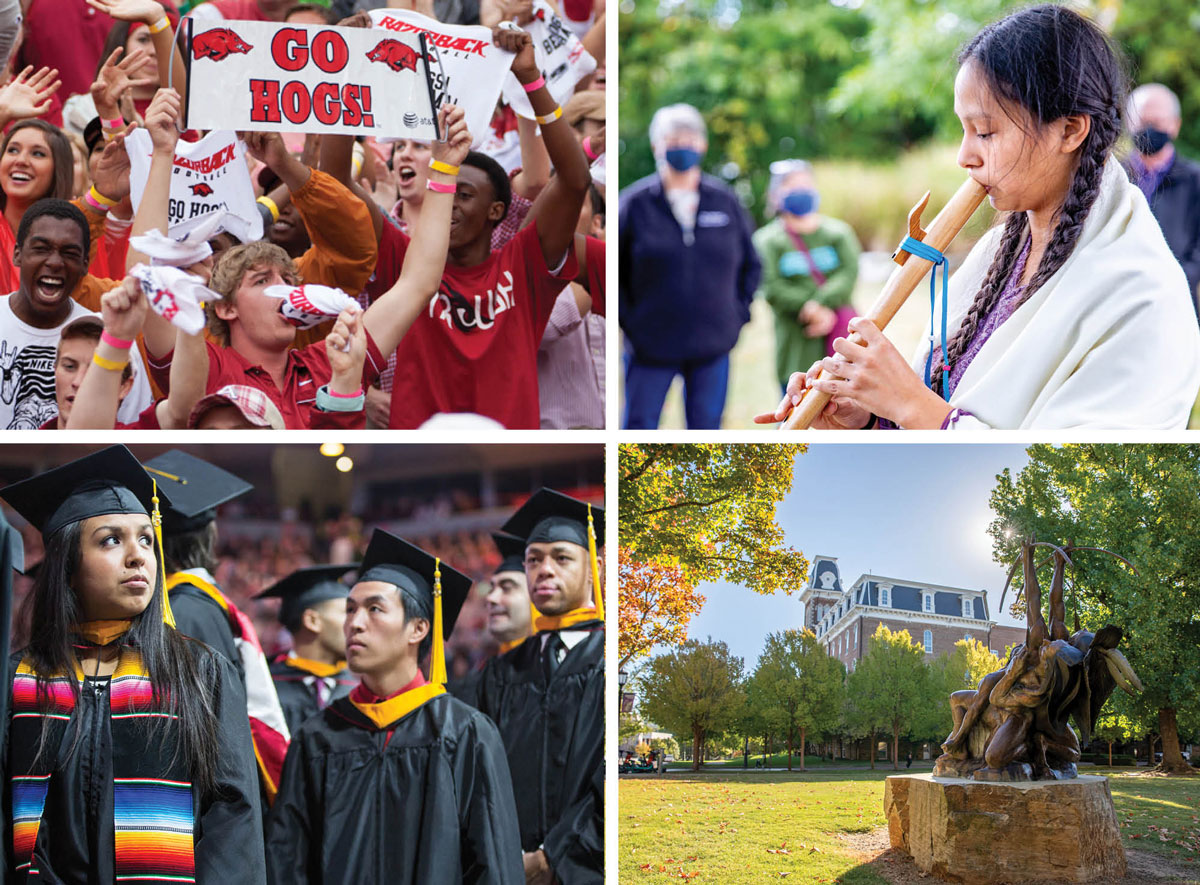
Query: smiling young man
[
  {"x": 546, "y": 696},
  {"x": 51, "y": 255},
  {"x": 313, "y": 609},
  {"x": 398, "y": 782}
]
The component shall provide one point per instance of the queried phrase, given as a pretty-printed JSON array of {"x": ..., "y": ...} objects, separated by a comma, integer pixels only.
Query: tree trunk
[
  {"x": 896, "y": 744},
  {"x": 1172, "y": 761},
  {"x": 790, "y": 733},
  {"x": 871, "y": 749},
  {"x": 802, "y": 730},
  {"x": 1110, "y": 754},
  {"x": 697, "y": 746}
]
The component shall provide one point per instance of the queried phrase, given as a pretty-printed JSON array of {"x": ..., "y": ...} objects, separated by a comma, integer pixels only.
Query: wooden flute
[{"x": 942, "y": 230}]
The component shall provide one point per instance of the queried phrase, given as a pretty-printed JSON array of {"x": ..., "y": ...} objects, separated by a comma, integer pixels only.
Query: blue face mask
[
  {"x": 681, "y": 159},
  {"x": 800, "y": 202}
]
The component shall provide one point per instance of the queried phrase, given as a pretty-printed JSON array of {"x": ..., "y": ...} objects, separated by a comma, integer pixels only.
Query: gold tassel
[
  {"x": 437, "y": 667},
  {"x": 156, "y": 521},
  {"x": 595, "y": 565}
]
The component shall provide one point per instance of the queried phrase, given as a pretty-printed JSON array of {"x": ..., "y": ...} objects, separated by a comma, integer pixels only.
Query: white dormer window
[
  {"x": 927, "y": 603},
  {"x": 968, "y": 607},
  {"x": 928, "y": 642},
  {"x": 885, "y": 595}
]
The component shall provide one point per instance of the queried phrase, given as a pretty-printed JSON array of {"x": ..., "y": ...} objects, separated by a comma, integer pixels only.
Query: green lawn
[{"x": 754, "y": 827}]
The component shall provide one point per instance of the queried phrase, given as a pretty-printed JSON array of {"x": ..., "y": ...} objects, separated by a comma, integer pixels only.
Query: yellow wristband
[
  {"x": 270, "y": 204},
  {"x": 445, "y": 168},
  {"x": 550, "y": 118},
  {"x": 111, "y": 365},
  {"x": 101, "y": 199},
  {"x": 161, "y": 25}
]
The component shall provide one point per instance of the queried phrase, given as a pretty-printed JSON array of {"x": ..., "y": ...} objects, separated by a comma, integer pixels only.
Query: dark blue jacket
[
  {"x": 1176, "y": 205},
  {"x": 680, "y": 302}
]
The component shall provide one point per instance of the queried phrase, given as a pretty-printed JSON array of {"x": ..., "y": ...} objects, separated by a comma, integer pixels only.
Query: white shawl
[{"x": 1110, "y": 341}]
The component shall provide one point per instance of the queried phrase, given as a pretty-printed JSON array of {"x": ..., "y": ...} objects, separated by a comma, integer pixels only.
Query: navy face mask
[
  {"x": 800, "y": 202},
  {"x": 1149, "y": 140},
  {"x": 681, "y": 159}
]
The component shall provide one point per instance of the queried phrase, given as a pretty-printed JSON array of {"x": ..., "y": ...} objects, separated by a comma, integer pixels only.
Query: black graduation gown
[
  {"x": 428, "y": 800},
  {"x": 554, "y": 737},
  {"x": 199, "y": 616},
  {"x": 75, "y": 841},
  {"x": 299, "y": 700}
]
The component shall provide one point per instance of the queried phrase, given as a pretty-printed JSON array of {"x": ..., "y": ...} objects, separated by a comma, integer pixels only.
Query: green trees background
[{"x": 844, "y": 79}]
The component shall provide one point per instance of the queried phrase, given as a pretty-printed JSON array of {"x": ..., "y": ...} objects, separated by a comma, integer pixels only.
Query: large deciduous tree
[
  {"x": 1142, "y": 502},
  {"x": 695, "y": 513},
  {"x": 802, "y": 683},
  {"x": 894, "y": 676},
  {"x": 695, "y": 690}
]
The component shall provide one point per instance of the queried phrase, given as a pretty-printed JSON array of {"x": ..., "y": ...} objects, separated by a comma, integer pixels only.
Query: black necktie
[{"x": 553, "y": 644}]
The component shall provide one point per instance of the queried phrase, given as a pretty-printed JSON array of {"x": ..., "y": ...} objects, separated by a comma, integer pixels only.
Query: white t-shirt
[{"x": 27, "y": 358}]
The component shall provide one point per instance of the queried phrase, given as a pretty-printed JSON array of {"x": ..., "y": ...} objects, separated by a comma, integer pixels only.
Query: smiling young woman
[
  {"x": 35, "y": 162},
  {"x": 128, "y": 753},
  {"x": 1054, "y": 314}
]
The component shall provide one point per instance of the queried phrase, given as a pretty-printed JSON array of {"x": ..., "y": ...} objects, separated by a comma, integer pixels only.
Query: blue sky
[{"x": 916, "y": 511}]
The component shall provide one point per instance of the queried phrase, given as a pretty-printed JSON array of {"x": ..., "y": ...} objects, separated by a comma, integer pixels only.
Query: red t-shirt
[
  {"x": 147, "y": 420},
  {"x": 475, "y": 348},
  {"x": 307, "y": 371}
]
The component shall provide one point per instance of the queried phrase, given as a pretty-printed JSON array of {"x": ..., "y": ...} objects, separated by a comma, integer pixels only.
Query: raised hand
[
  {"x": 28, "y": 94},
  {"x": 123, "y": 309},
  {"x": 267, "y": 147},
  {"x": 112, "y": 169},
  {"x": 346, "y": 347},
  {"x": 115, "y": 78},
  {"x": 511, "y": 38},
  {"x": 160, "y": 120},
  {"x": 148, "y": 11},
  {"x": 453, "y": 123}
]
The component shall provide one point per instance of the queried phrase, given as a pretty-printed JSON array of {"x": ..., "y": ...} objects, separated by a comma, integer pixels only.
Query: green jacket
[{"x": 787, "y": 284}]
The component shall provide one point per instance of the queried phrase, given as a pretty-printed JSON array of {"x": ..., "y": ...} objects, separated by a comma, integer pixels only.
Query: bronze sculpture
[{"x": 1015, "y": 726}]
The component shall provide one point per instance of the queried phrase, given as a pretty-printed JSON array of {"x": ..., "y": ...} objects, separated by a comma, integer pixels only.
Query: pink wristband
[
  {"x": 94, "y": 203},
  {"x": 441, "y": 187},
  {"x": 114, "y": 123},
  {"x": 587, "y": 149},
  {"x": 535, "y": 85},
  {"x": 337, "y": 395},
  {"x": 113, "y": 341}
]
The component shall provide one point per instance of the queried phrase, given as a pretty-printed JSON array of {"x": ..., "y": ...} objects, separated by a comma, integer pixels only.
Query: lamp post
[{"x": 626, "y": 697}]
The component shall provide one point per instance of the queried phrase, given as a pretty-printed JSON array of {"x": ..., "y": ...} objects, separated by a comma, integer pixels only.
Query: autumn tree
[
  {"x": 1142, "y": 502},
  {"x": 695, "y": 690},
  {"x": 802, "y": 683},
  {"x": 696, "y": 513},
  {"x": 895, "y": 675},
  {"x": 953, "y": 671}
]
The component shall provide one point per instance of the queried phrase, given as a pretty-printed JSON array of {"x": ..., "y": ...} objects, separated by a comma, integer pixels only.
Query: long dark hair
[
  {"x": 182, "y": 672},
  {"x": 1054, "y": 63},
  {"x": 63, "y": 182}
]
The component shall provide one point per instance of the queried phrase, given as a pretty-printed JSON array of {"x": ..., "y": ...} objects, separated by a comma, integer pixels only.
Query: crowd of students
[
  {"x": 496, "y": 320},
  {"x": 358, "y": 753}
]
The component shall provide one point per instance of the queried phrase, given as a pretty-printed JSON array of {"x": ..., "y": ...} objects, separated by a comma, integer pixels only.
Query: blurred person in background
[{"x": 688, "y": 272}]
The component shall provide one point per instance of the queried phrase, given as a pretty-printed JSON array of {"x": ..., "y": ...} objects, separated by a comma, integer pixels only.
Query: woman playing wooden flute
[{"x": 1073, "y": 313}]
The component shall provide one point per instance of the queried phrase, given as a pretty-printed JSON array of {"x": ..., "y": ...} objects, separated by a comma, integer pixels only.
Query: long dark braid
[{"x": 1054, "y": 63}]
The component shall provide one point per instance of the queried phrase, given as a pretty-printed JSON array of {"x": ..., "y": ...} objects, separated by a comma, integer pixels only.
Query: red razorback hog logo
[
  {"x": 201, "y": 190},
  {"x": 396, "y": 55},
  {"x": 218, "y": 43}
]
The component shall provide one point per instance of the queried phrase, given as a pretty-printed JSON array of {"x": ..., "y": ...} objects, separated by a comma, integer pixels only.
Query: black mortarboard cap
[
  {"x": 395, "y": 561},
  {"x": 108, "y": 481},
  {"x": 195, "y": 488},
  {"x": 551, "y": 516},
  {"x": 512, "y": 552},
  {"x": 307, "y": 587}
]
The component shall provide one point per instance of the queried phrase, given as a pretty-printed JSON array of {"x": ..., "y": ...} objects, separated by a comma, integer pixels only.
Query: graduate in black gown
[
  {"x": 398, "y": 782},
  {"x": 202, "y": 611},
  {"x": 510, "y": 613},
  {"x": 547, "y": 695},
  {"x": 313, "y": 609},
  {"x": 128, "y": 751}
]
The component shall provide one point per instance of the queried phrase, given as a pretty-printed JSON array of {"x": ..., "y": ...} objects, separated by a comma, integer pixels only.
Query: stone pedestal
[{"x": 967, "y": 831}]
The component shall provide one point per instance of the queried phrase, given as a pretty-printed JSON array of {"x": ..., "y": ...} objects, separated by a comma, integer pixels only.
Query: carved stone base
[{"x": 967, "y": 831}]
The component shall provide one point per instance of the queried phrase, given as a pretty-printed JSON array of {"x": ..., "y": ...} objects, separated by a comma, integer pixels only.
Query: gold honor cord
[
  {"x": 156, "y": 520},
  {"x": 437, "y": 666},
  {"x": 595, "y": 565}
]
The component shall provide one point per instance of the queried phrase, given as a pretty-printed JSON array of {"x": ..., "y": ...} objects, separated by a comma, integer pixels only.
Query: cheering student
[
  {"x": 547, "y": 695},
  {"x": 313, "y": 609},
  {"x": 397, "y": 782},
  {"x": 196, "y": 488},
  {"x": 128, "y": 755},
  {"x": 482, "y": 326},
  {"x": 1053, "y": 315}
]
